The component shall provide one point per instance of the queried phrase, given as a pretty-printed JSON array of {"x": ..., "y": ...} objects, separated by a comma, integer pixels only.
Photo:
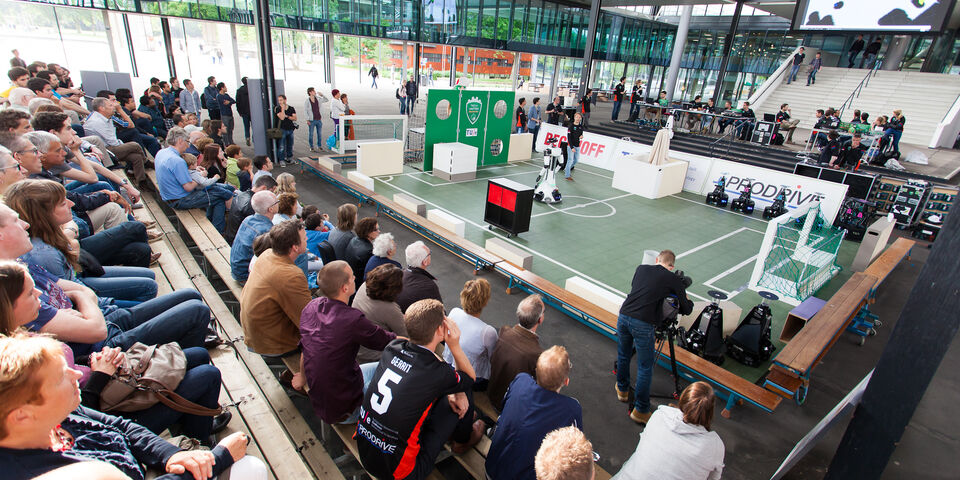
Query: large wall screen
[{"x": 872, "y": 15}]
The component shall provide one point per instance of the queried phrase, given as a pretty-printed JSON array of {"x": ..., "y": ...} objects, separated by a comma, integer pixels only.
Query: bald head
[{"x": 263, "y": 201}]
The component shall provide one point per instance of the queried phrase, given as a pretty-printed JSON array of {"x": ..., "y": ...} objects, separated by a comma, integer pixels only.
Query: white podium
[
  {"x": 380, "y": 158},
  {"x": 454, "y": 161},
  {"x": 635, "y": 175}
]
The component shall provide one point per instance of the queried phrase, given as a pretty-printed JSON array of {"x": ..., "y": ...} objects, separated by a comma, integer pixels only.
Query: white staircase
[{"x": 924, "y": 97}]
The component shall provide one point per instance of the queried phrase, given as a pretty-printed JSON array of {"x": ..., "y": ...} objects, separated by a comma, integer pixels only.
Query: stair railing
[
  {"x": 864, "y": 82},
  {"x": 723, "y": 144}
]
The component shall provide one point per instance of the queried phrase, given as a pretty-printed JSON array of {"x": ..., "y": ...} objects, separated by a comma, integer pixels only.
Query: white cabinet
[
  {"x": 454, "y": 161},
  {"x": 380, "y": 158}
]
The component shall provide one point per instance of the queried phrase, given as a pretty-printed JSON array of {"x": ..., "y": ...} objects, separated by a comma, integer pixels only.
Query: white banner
[
  {"x": 766, "y": 184},
  {"x": 596, "y": 150}
]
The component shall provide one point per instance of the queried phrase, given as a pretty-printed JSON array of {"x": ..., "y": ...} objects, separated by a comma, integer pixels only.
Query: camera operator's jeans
[{"x": 634, "y": 334}]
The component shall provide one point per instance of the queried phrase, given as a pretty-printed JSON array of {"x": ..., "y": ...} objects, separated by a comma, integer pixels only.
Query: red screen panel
[
  {"x": 508, "y": 200},
  {"x": 494, "y": 193}
]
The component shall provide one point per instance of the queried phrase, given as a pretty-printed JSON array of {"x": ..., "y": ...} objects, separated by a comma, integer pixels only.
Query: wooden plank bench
[
  {"x": 288, "y": 443},
  {"x": 516, "y": 256},
  {"x": 408, "y": 202},
  {"x": 329, "y": 163},
  {"x": 813, "y": 341},
  {"x": 888, "y": 260}
]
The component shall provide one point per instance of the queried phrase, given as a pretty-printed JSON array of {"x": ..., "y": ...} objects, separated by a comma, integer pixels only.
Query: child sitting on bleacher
[{"x": 197, "y": 173}]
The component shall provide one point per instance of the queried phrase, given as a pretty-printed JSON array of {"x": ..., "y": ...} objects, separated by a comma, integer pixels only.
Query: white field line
[
  {"x": 714, "y": 241},
  {"x": 583, "y": 205}
]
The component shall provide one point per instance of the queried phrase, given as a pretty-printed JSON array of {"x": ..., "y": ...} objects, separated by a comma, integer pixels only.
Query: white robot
[{"x": 546, "y": 190}]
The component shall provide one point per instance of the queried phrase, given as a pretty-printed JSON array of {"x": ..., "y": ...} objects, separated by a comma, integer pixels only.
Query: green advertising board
[{"x": 480, "y": 118}]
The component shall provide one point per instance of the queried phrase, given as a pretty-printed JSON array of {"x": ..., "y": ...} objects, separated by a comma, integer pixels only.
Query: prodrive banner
[{"x": 765, "y": 184}]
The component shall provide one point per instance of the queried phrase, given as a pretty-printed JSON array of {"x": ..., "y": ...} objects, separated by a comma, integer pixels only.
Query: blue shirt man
[
  {"x": 242, "y": 249},
  {"x": 531, "y": 410},
  {"x": 180, "y": 191}
]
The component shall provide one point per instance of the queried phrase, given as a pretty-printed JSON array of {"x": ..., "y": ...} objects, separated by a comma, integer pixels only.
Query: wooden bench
[
  {"x": 516, "y": 256},
  {"x": 293, "y": 431},
  {"x": 329, "y": 163},
  {"x": 279, "y": 434},
  {"x": 410, "y": 203},
  {"x": 889, "y": 259},
  {"x": 813, "y": 341}
]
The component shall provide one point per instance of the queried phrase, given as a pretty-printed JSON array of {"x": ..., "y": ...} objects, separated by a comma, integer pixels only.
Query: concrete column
[
  {"x": 403, "y": 62},
  {"x": 678, "y": 43},
  {"x": 515, "y": 71},
  {"x": 588, "y": 49},
  {"x": 556, "y": 78},
  {"x": 329, "y": 73},
  {"x": 236, "y": 51},
  {"x": 167, "y": 44},
  {"x": 113, "y": 47},
  {"x": 895, "y": 52}
]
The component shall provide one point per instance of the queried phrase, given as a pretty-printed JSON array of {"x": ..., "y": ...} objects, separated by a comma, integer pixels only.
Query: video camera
[{"x": 685, "y": 280}]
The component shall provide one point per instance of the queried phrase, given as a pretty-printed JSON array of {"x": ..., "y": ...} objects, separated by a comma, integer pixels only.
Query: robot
[
  {"x": 718, "y": 197},
  {"x": 750, "y": 343},
  {"x": 779, "y": 205},
  {"x": 705, "y": 336},
  {"x": 743, "y": 203},
  {"x": 546, "y": 190}
]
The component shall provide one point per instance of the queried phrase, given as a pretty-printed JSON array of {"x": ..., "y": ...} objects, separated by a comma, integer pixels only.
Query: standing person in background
[
  {"x": 286, "y": 115},
  {"x": 870, "y": 54},
  {"x": 855, "y": 50},
  {"x": 797, "y": 61},
  {"x": 401, "y": 95},
  {"x": 554, "y": 110},
  {"x": 618, "y": 98},
  {"x": 225, "y": 101},
  {"x": 373, "y": 73},
  {"x": 243, "y": 108},
  {"x": 311, "y": 108},
  {"x": 635, "y": 96},
  {"x": 16, "y": 61},
  {"x": 894, "y": 128},
  {"x": 533, "y": 119},
  {"x": 521, "y": 124},
  {"x": 337, "y": 110},
  {"x": 585, "y": 109},
  {"x": 176, "y": 89},
  {"x": 189, "y": 99},
  {"x": 210, "y": 93},
  {"x": 411, "y": 94},
  {"x": 574, "y": 132},
  {"x": 814, "y": 68}
]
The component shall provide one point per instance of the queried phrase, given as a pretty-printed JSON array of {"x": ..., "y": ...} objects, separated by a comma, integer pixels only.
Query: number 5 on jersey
[{"x": 380, "y": 400}]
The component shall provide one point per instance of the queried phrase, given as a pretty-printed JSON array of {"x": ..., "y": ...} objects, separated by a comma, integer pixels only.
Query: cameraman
[{"x": 639, "y": 318}]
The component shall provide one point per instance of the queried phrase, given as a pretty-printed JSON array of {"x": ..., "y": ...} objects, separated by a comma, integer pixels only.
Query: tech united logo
[{"x": 474, "y": 108}]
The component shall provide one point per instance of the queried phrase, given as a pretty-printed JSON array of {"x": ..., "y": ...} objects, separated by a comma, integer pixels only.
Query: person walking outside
[
  {"x": 402, "y": 97},
  {"x": 373, "y": 73},
  {"x": 286, "y": 116},
  {"x": 855, "y": 50},
  {"x": 797, "y": 61},
  {"x": 618, "y": 98},
  {"x": 870, "y": 54},
  {"x": 311, "y": 108},
  {"x": 411, "y": 94},
  {"x": 814, "y": 68}
]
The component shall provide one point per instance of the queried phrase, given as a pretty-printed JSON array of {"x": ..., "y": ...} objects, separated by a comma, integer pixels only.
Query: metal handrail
[
  {"x": 864, "y": 82},
  {"x": 713, "y": 147}
]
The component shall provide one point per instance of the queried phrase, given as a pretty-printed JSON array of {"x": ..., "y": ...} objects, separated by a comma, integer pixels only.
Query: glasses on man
[
  {"x": 33, "y": 150},
  {"x": 15, "y": 165}
]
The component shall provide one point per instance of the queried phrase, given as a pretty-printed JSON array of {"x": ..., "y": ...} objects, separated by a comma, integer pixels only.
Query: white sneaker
[{"x": 137, "y": 205}]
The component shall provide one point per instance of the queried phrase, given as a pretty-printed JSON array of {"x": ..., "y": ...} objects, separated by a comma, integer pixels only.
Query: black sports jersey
[{"x": 410, "y": 382}]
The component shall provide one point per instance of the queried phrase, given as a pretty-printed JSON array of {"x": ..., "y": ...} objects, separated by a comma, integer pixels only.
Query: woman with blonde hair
[
  {"x": 476, "y": 337},
  {"x": 44, "y": 205},
  {"x": 287, "y": 183},
  {"x": 677, "y": 442}
]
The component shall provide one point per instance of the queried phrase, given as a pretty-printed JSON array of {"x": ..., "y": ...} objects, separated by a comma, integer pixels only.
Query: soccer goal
[
  {"x": 356, "y": 129},
  {"x": 798, "y": 254}
]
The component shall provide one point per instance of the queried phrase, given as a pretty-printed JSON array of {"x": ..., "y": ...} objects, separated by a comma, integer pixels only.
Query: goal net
[
  {"x": 356, "y": 129},
  {"x": 798, "y": 254}
]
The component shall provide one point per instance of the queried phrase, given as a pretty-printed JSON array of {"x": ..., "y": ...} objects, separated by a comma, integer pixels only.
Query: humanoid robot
[{"x": 546, "y": 190}]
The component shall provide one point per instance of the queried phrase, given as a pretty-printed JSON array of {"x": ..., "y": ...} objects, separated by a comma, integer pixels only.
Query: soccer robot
[
  {"x": 546, "y": 190},
  {"x": 718, "y": 197},
  {"x": 779, "y": 205},
  {"x": 743, "y": 203}
]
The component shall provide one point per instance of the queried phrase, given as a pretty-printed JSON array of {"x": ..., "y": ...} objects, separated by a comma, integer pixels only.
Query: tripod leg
[{"x": 673, "y": 367}]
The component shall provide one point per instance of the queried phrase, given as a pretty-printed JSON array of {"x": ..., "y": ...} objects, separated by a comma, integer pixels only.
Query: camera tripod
[{"x": 668, "y": 334}]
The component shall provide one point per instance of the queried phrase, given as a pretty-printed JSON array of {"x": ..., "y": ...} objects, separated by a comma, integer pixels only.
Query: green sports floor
[{"x": 599, "y": 233}]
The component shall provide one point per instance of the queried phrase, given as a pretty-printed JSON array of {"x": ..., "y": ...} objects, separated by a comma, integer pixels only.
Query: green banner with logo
[{"x": 480, "y": 118}]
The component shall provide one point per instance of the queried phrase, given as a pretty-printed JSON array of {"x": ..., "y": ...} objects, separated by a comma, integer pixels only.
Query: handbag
[
  {"x": 274, "y": 133},
  {"x": 150, "y": 374}
]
